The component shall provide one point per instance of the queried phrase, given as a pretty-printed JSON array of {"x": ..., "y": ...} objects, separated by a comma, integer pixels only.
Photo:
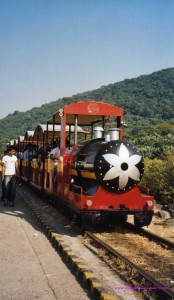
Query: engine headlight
[
  {"x": 89, "y": 202},
  {"x": 149, "y": 203}
]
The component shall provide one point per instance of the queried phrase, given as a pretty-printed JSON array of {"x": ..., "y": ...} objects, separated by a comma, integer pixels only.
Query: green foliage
[
  {"x": 159, "y": 177},
  {"x": 165, "y": 129},
  {"x": 154, "y": 144},
  {"x": 153, "y": 177}
]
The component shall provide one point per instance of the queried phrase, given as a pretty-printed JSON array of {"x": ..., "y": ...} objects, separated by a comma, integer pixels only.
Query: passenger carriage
[{"x": 26, "y": 163}]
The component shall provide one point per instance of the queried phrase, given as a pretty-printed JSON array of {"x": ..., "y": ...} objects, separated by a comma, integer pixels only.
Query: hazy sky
[{"x": 51, "y": 49}]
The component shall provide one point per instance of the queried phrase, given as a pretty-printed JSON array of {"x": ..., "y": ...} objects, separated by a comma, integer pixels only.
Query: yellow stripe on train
[{"x": 84, "y": 174}]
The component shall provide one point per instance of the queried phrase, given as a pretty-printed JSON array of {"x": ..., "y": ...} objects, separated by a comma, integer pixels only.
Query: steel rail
[
  {"x": 168, "y": 292},
  {"x": 150, "y": 235}
]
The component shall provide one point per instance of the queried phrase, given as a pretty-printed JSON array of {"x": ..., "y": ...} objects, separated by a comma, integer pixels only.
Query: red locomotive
[{"x": 97, "y": 178}]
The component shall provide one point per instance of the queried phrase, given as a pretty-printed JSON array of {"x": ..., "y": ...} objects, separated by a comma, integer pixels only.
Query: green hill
[{"x": 147, "y": 100}]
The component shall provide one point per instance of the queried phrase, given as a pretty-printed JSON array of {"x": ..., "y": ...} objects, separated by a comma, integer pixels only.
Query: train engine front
[
  {"x": 108, "y": 173},
  {"x": 117, "y": 166}
]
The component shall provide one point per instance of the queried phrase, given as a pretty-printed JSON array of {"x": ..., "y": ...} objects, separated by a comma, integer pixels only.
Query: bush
[{"x": 159, "y": 178}]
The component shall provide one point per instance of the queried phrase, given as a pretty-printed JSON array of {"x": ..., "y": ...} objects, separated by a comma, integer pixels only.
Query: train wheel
[{"x": 143, "y": 219}]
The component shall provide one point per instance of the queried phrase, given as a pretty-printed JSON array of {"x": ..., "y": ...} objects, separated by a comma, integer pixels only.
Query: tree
[{"x": 159, "y": 177}]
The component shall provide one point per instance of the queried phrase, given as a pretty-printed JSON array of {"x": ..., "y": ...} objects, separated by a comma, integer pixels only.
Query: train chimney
[
  {"x": 107, "y": 137},
  {"x": 114, "y": 134},
  {"x": 98, "y": 132}
]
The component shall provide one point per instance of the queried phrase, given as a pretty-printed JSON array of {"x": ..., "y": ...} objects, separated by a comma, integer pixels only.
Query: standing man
[
  {"x": 9, "y": 171},
  {"x": 2, "y": 185}
]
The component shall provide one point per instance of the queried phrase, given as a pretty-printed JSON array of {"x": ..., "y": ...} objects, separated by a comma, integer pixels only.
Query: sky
[{"x": 50, "y": 49}]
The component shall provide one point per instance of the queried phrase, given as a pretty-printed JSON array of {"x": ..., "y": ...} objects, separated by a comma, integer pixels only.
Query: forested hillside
[
  {"x": 148, "y": 96},
  {"x": 147, "y": 101}
]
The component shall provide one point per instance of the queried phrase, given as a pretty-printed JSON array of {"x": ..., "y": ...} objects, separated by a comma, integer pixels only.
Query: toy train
[{"x": 97, "y": 178}]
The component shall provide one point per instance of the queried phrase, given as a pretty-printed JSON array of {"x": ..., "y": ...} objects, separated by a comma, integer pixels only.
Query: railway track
[
  {"x": 150, "y": 276},
  {"x": 151, "y": 236}
]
